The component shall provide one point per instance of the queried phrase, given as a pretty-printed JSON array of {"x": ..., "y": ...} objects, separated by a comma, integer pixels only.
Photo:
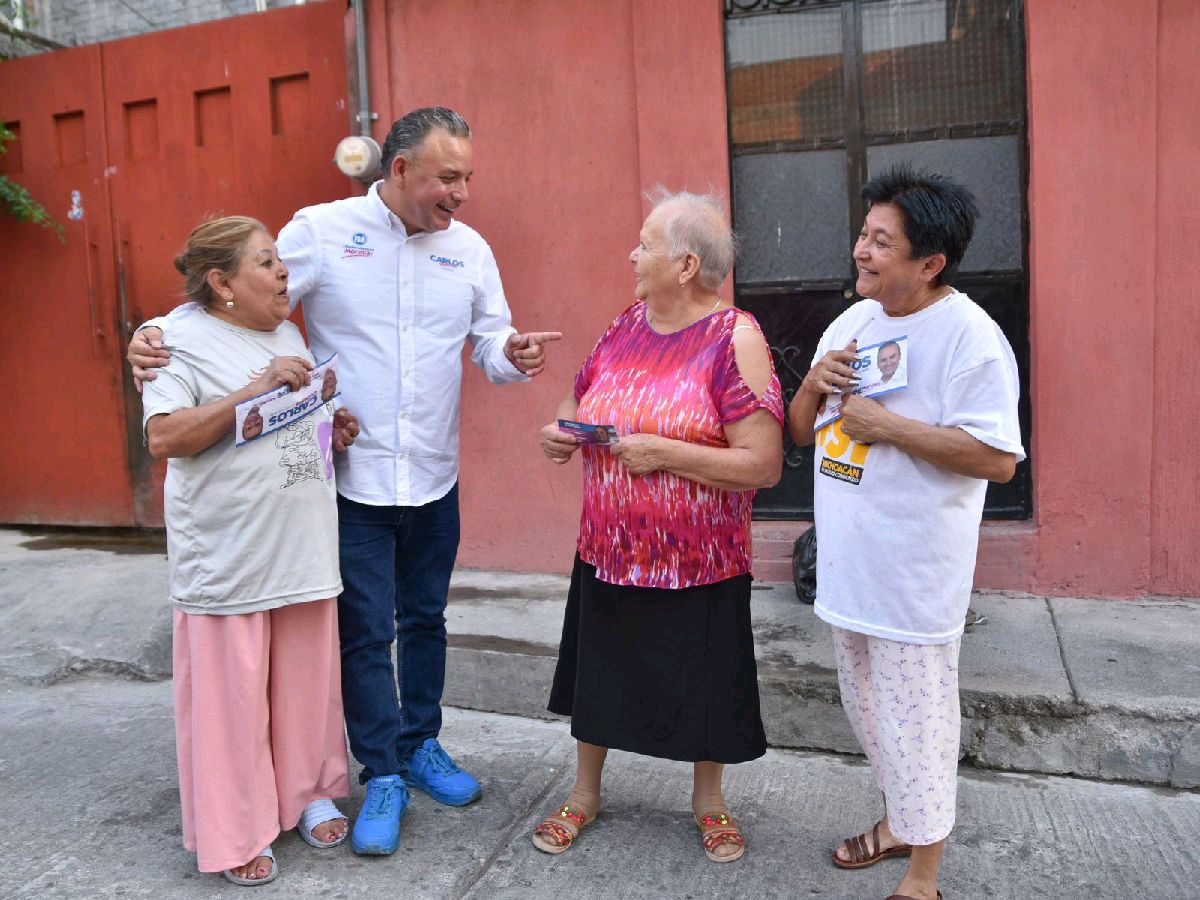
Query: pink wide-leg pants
[{"x": 258, "y": 726}]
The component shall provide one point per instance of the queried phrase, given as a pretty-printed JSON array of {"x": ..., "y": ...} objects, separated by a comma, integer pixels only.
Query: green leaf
[{"x": 18, "y": 202}]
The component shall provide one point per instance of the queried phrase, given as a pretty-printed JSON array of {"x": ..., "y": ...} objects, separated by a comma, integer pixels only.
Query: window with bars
[{"x": 824, "y": 93}]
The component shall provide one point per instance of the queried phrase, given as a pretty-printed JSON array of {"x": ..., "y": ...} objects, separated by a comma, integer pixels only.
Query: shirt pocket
[{"x": 444, "y": 306}]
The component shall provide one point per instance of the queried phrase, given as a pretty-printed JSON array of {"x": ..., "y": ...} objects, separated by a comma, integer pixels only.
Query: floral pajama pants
[{"x": 902, "y": 703}]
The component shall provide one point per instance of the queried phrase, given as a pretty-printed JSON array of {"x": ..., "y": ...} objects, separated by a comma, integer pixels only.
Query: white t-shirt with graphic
[
  {"x": 897, "y": 536},
  {"x": 253, "y": 527}
]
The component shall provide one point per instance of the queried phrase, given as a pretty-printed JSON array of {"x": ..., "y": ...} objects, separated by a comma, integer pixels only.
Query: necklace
[{"x": 650, "y": 320}]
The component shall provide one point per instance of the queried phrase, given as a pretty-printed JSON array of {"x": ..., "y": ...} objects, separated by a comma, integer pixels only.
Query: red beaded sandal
[
  {"x": 717, "y": 830},
  {"x": 558, "y": 832}
]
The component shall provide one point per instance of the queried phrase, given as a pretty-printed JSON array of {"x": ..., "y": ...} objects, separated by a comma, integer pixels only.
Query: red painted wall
[
  {"x": 1111, "y": 148},
  {"x": 1092, "y": 225},
  {"x": 1175, "y": 463},
  {"x": 1114, "y": 123},
  {"x": 576, "y": 108},
  {"x": 155, "y": 133},
  {"x": 579, "y": 107},
  {"x": 65, "y": 461}
]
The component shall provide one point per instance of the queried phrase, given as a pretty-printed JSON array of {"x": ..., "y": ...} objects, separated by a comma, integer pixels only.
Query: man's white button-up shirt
[{"x": 396, "y": 308}]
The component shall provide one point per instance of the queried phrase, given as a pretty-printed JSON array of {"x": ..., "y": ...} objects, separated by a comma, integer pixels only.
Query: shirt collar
[
  {"x": 385, "y": 215},
  {"x": 390, "y": 219}
]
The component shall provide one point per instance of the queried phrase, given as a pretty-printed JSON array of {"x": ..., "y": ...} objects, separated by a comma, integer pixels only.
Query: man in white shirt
[{"x": 394, "y": 284}]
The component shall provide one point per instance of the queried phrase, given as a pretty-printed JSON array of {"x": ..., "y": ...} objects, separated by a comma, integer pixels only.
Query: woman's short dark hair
[{"x": 939, "y": 214}]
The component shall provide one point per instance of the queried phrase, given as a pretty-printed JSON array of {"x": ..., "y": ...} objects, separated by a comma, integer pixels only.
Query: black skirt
[{"x": 659, "y": 672}]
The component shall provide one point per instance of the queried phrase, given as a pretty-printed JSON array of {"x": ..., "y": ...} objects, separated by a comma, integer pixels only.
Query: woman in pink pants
[{"x": 252, "y": 541}]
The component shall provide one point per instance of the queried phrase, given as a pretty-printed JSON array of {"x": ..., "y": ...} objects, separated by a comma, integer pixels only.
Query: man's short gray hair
[
  {"x": 408, "y": 132},
  {"x": 699, "y": 226}
]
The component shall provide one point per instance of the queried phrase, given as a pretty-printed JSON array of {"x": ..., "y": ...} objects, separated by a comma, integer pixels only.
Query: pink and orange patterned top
[{"x": 663, "y": 530}]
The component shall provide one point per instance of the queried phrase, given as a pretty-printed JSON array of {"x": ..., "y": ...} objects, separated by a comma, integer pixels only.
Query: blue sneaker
[
  {"x": 377, "y": 828},
  {"x": 432, "y": 770}
]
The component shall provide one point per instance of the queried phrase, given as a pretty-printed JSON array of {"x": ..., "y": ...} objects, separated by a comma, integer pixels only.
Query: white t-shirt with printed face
[
  {"x": 897, "y": 536},
  {"x": 252, "y": 527}
]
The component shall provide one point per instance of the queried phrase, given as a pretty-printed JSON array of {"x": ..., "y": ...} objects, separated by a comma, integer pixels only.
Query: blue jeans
[{"x": 396, "y": 563}]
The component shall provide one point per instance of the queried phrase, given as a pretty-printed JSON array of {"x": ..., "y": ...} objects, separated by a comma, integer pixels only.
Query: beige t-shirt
[{"x": 253, "y": 527}]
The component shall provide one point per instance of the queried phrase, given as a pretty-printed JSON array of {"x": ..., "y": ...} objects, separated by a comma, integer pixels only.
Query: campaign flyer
[
  {"x": 281, "y": 406},
  {"x": 589, "y": 434},
  {"x": 881, "y": 369}
]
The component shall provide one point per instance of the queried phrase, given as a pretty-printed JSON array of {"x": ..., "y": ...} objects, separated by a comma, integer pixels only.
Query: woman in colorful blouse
[{"x": 657, "y": 654}]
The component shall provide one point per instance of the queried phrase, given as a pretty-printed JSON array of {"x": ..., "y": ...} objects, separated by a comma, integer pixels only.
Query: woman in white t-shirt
[
  {"x": 252, "y": 544},
  {"x": 899, "y": 490}
]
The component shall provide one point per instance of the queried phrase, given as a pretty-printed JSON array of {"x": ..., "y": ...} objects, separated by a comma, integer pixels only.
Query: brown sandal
[
  {"x": 717, "y": 830},
  {"x": 906, "y": 897},
  {"x": 861, "y": 857},
  {"x": 558, "y": 832}
]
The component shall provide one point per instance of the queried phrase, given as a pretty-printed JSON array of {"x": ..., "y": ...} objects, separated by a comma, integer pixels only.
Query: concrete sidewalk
[
  {"x": 88, "y": 767},
  {"x": 1101, "y": 689}
]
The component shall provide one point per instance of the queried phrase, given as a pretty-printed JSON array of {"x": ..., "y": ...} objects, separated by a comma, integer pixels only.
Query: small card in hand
[{"x": 588, "y": 434}]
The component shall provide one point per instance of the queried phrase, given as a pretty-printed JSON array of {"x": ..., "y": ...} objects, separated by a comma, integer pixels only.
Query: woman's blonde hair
[{"x": 215, "y": 244}]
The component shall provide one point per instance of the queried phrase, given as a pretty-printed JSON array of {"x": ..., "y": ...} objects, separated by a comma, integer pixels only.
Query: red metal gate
[
  {"x": 155, "y": 132},
  {"x": 64, "y": 460}
]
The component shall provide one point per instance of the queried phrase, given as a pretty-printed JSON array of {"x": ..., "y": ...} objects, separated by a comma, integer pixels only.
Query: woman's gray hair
[
  {"x": 408, "y": 132},
  {"x": 698, "y": 226}
]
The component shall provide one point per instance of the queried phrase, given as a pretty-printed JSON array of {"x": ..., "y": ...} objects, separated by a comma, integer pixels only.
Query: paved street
[
  {"x": 1099, "y": 689},
  {"x": 88, "y": 770}
]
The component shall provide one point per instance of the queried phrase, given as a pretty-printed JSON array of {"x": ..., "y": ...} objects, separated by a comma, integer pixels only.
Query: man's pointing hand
[{"x": 527, "y": 351}]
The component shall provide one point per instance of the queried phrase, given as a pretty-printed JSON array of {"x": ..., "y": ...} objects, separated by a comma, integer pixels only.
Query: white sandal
[
  {"x": 254, "y": 882},
  {"x": 317, "y": 813}
]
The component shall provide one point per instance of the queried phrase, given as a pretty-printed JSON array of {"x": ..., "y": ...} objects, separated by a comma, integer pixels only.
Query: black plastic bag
[{"x": 804, "y": 566}]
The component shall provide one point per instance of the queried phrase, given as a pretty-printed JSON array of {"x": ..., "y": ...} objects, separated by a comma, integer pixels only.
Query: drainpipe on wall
[
  {"x": 358, "y": 156},
  {"x": 365, "y": 116}
]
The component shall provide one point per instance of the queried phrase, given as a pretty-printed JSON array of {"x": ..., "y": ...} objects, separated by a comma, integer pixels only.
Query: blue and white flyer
[
  {"x": 881, "y": 369},
  {"x": 587, "y": 433},
  {"x": 281, "y": 406}
]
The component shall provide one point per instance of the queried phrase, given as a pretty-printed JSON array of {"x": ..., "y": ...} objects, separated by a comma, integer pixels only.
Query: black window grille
[{"x": 824, "y": 93}]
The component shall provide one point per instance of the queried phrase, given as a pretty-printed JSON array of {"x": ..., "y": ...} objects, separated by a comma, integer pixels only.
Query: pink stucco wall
[
  {"x": 1114, "y": 123},
  {"x": 578, "y": 107},
  {"x": 1175, "y": 482},
  {"x": 1113, "y": 134}
]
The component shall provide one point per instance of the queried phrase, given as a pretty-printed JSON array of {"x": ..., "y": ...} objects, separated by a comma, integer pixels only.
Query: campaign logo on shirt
[
  {"x": 447, "y": 263},
  {"x": 841, "y": 457},
  {"x": 842, "y": 471},
  {"x": 358, "y": 246}
]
